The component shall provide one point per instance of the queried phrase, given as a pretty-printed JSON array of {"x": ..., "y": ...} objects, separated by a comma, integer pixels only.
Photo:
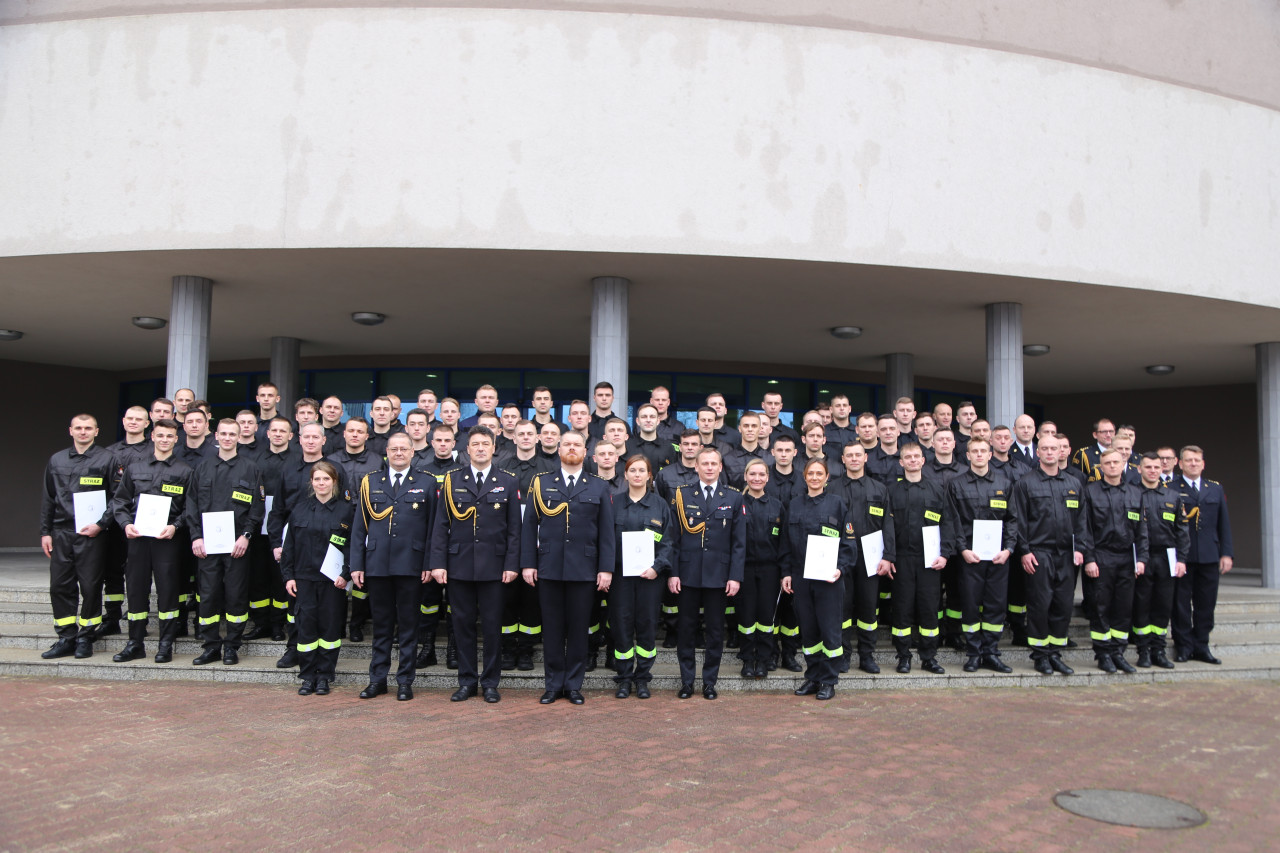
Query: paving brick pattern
[{"x": 180, "y": 765}]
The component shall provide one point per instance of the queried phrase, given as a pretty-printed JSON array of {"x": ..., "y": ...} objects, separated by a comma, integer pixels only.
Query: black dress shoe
[
  {"x": 278, "y": 635},
  {"x": 207, "y": 656},
  {"x": 107, "y": 628},
  {"x": 790, "y": 664},
  {"x": 971, "y": 663},
  {"x": 426, "y": 659},
  {"x": 1060, "y": 666},
  {"x": 574, "y": 697},
  {"x": 524, "y": 660},
  {"x": 1122, "y": 664},
  {"x": 84, "y": 648},
  {"x": 709, "y": 691},
  {"x": 808, "y": 688},
  {"x": 686, "y": 690},
  {"x": 825, "y": 692},
  {"x": 932, "y": 666},
  {"x": 307, "y": 688},
  {"x": 904, "y": 665},
  {"x": 993, "y": 662},
  {"x": 131, "y": 651},
  {"x": 1181, "y": 657},
  {"x": 1107, "y": 665},
  {"x": 64, "y": 647},
  {"x": 464, "y": 693},
  {"x": 549, "y": 696},
  {"x": 1144, "y": 659},
  {"x": 869, "y": 665},
  {"x": 258, "y": 632},
  {"x": 491, "y": 695},
  {"x": 373, "y": 689},
  {"x": 1205, "y": 657},
  {"x": 322, "y": 687},
  {"x": 1158, "y": 658},
  {"x": 404, "y": 692},
  {"x": 1043, "y": 666},
  {"x": 642, "y": 690},
  {"x": 164, "y": 654},
  {"x": 624, "y": 690},
  {"x": 230, "y": 657},
  {"x": 288, "y": 660}
]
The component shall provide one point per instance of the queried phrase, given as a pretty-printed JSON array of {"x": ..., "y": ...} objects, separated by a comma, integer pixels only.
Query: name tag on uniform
[
  {"x": 875, "y": 510},
  {"x": 995, "y": 504},
  {"x": 1167, "y": 516},
  {"x": 170, "y": 489},
  {"x": 91, "y": 481},
  {"x": 243, "y": 497},
  {"x": 1073, "y": 504},
  {"x": 1133, "y": 516},
  {"x": 775, "y": 532},
  {"x": 829, "y": 531},
  {"x": 657, "y": 537},
  {"x": 932, "y": 516},
  {"x": 340, "y": 541}
]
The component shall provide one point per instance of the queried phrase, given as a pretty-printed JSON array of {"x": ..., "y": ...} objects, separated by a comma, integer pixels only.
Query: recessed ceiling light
[
  {"x": 10, "y": 334},
  {"x": 1034, "y": 350},
  {"x": 368, "y": 318},
  {"x": 1160, "y": 369},
  {"x": 150, "y": 323},
  {"x": 846, "y": 333}
]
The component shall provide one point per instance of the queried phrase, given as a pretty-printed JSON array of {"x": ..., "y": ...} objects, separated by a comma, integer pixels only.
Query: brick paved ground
[{"x": 178, "y": 766}]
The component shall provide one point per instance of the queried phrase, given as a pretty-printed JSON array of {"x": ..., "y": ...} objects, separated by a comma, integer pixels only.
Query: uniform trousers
[
  {"x": 916, "y": 593},
  {"x": 1050, "y": 593},
  {"x": 984, "y": 587},
  {"x": 953, "y": 599},
  {"x": 430, "y": 611},
  {"x": 1112, "y": 614},
  {"x": 318, "y": 615},
  {"x": 75, "y": 582},
  {"x": 268, "y": 602},
  {"x": 113, "y": 573},
  {"x": 708, "y": 603},
  {"x": 598, "y": 629},
  {"x": 1017, "y": 597},
  {"x": 819, "y": 606},
  {"x": 188, "y": 592},
  {"x": 670, "y": 612},
  {"x": 755, "y": 603},
  {"x": 521, "y": 618},
  {"x": 788, "y": 629},
  {"x": 1153, "y": 602},
  {"x": 158, "y": 560},
  {"x": 861, "y": 609},
  {"x": 394, "y": 602},
  {"x": 1195, "y": 597},
  {"x": 470, "y": 601},
  {"x": 223, "y": 583},
  {"x": 634, "y": 604},
  {"x": 566, "y": 614},
  {"x": 360, "y": 611}
]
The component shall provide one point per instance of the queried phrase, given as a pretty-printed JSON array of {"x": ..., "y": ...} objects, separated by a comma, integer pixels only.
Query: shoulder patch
[
  {"x": 732, "y": 489},
  {"x": 505, "y": 471}
]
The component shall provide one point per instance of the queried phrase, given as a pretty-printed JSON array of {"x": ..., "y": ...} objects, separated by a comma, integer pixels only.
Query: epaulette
[
  {"x": 451, "y": 470},
  {"x": 733, "y": 489},
  {"x": 540, "y": 473},
  {"x": 598, "y": 477},
  {"x": 505, "y": 471},
  {"x": 1215, "y": 482}
]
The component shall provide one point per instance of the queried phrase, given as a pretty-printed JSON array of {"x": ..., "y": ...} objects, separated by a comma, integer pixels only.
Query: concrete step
[{"x": 353, "y": 674}]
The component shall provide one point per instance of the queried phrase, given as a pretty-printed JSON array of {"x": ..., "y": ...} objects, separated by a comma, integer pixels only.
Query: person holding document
[
  {"x": 314, "y": 566},
  {"x": 984, "y": 533},
  {"x": 224, "y": 511},
  {"x": 767, "y": 550},
  {"x": 1169, "y": 541},
  {"x": 149, "y": 505},
  {"x": 823, "y": 548},
  {"x": 919, "y": 508},
  {"x": 73, "y": 517},
  {"x": 646, "y": 539}
]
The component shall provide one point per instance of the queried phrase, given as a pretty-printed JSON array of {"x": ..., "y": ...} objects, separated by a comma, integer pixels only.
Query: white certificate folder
[
  {"x": 637, "y": 552},
  {"x": 820, "y": 558},
  {"x": 89, "y": 507},
  {"x": 153, "y": 514}
]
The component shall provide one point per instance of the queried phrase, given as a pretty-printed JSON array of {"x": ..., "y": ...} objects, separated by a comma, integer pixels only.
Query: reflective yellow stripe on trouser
[
  {"x": 167, "y": 614},
  {"x": 237, "y": 618},
  {"x": 531, "y": 629},
  {"x": 64, "y": 621},
  {"x": 136, "y": 617},
  {"x": 260, "y": 604},
  {"x": 647, "y": 653},
  {"x": 113, "y": 597},
  {"x": 84, "y": 623},
  {"x": 627, "y": 655},
  {"x": 325, "y": 644},
  {"x": 308, "y": 647}
]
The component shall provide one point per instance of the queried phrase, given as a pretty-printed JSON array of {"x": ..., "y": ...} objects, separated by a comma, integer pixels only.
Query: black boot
[
  {"x": 1161, "y": 660},
  {"x": 451, "y": 654},
  {"x": 1144, "y": 658},
  {"x": 62, "y": 647}
]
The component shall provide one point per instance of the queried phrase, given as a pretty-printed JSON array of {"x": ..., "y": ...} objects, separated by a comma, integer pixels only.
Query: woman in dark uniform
[
  {"x": 767, "y": 548},
  {"x": 634, "y": 601},
  {"x": 819, "y": 603},
  {"x": 321, "y": 520}
]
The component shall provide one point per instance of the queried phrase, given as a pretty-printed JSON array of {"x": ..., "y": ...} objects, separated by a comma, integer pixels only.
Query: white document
[
  {"x": 821, "y": 554},
  {"x": 219, "y": 531},
  {"x": 153, "y": 514},
  {"x": 637, "y": 552},
  {"x": 1173, "y": 561},
  {"x": 872, "y": 550},
  {"x": 89, "y": 507},
  {"x": 932, "y": 537},
  {"x": 332, "y": 565},
  {"x": 267, "y": 512},
  {"x": 987, "y": 536}
]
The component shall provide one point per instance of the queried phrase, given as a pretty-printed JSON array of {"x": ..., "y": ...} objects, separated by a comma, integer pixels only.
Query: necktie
[
  {"x": 706, "y": 493},
  {"x": 1196, "y": 485},
  {"x": 396, "y": 485},
  {"x": 479, "y": 479},
  {"x": 572, "y": 482}
]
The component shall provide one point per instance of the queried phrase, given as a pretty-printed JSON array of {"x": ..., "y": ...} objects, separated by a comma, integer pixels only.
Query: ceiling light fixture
[
  {"x": 1034, "y": 350},
  {"x": 10, "y": 334},
  {"x": 1160, "y": 369},
  {"x": 150, "y": 323},
  {"x": 846, "y": 333},
  {"x": 368, "y": 318}
]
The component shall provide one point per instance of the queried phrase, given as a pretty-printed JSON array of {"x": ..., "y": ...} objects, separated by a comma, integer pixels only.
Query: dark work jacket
[
  {"x": 649, "y": 513},
  {"x": 355, "y": 466},
  {"x": 396, "y": 545},
  {"x": 221, "y": 484},
  {"x": 915, "y": 506},
  {"x": 767, "y": 539},
  {"x": 479, "y": 545},
  {"x": 1050, "y": 512},
  {"x": 712, "y": 546},
  {"x": 568, "y": 544},
  {"x": 524, "y": 470},
  {"x": 295, "y": 485},
  {"x": 825, "y": 515},
  {"x": 313, "y": 527},
  {"x": 68, "y": 472},
  {"x": 1166, "y": 518},
  {"x": 659, "y": 453},
  {"x": 867, "y": 500},
  {"x": 151, "y": 476},
  {"x": 673, "y": 476},
  {"x": 971, "y": 497},
  {"x": 786, "y": 486},
  {"x": 1114, "y": 516}
]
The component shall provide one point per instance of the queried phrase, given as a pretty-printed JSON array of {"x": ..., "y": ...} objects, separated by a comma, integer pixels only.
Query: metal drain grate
[{"x": 1129, "y": 808}]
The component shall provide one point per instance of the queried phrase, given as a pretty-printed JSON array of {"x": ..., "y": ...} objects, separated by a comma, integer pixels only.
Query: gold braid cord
[
  {"x": 684, "y": 522},
  {"x": 369, "y": 511},
  {"x": 453, "y": 507},
  {"x": 542, "y": 507}
]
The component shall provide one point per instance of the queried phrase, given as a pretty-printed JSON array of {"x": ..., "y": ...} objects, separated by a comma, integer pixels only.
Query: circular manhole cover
[{"x": 1129, "y": 808}]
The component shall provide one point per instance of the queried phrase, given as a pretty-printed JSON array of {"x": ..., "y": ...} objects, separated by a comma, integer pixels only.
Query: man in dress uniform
[
  {"x": 1024, "y": 446},
  {"x": 1085, "y": 458},
  {"x": 77, "y": 552},
  {"x": 709, "y": 567},
  {"x": 567, "y": 551},
  {"x": 1210, "y": 556},
  {"x": 226, "y": 483},
  {"x": 389, "y": 560}
]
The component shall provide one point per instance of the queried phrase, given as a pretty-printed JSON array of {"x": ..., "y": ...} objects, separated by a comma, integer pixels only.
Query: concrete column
[
  {"x": 899, "y": 378},
  {"x": 1004, "y": 363},
  {"x": 1268, "y": 359},
  {"x": 284, "y": 371},
  {"x": 609, "y": 361},
  {"x": 189, "y": 312}
]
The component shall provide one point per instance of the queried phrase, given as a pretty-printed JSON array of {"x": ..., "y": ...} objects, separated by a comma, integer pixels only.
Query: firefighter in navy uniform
[
  {"x": 1166, "y": 520},
  {"x": 389, "y": 559},
  {"x": 164, "y": 475},
  {"x": 568, "y": 551},
  {"x": 1115, "y": 550},
  {"x": 475, "y": 551},
  {"x": 786, "y": 481},
  {"x": 1209, "y": 557},
  {"x": 77, "y": 557},
  {"x": 682, "y": 470},
  {"x": 228, "y": 482},
  {"x": 766, "y": 554},
  {"x": 710, "y": 565}
]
